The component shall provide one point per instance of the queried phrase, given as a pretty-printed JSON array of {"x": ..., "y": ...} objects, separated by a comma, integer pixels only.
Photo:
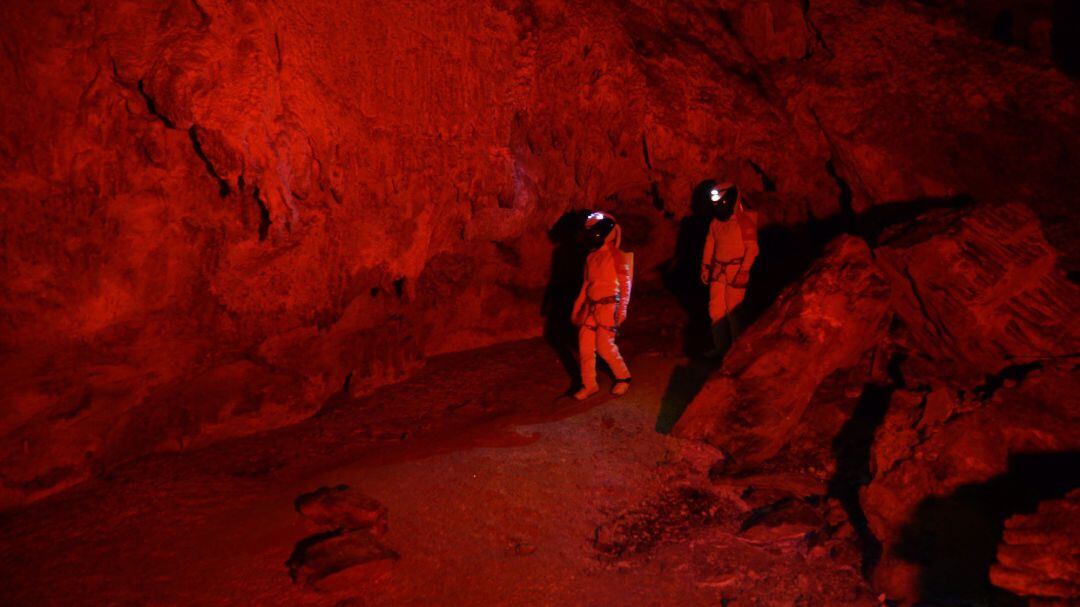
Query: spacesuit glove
[
  {"x": 740, "y": 281},
  {"x": 705, "y": 275}
]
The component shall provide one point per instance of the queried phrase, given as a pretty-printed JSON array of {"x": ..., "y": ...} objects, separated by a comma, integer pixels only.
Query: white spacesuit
[
  {"x": 602, "y": 304},
  {"x": 730, "y": 250}
]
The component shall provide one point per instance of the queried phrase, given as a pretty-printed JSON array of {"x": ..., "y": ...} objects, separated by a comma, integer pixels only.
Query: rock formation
[
  {"x": 1038, "y": 558},
  {"x": 825, "y": 322},
  {"x": 219, "y": 213},
  {"x": 347, "y": 552},
  {"x": 965, "y": 321}
]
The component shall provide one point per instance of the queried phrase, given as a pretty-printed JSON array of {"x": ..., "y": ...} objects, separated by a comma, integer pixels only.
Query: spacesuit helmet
[
  {"x": 598, "y": 226},
  {"x": 723, "y": 198}
]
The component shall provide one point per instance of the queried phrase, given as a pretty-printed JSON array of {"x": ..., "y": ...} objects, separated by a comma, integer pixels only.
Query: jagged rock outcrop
[
  {"x": 977, "y": 418},
  {"x": 1038, "y": 558},
  {"x": 340, "y": 507},
  {"x": 979, "y": 292},
  {"x": 988, "y": 326},
  {"x": 219, "y": 213},
  {"x": 347, "y": 553},
  {"x": 947, "y": 472},
  {"x": 823, "y": 323}
]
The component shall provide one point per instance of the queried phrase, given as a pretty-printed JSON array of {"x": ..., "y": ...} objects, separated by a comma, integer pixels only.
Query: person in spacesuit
[
  {"x": 730, "y": 250},
  {"x": 602, "y": 305}
]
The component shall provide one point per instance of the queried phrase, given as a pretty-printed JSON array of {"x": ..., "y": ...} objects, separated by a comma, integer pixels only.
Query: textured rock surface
[
  {"x": 217, "y": 213},
  {"x": 942, "y": 489},
  {"x": 980, "y": 291},
  {"x": 1038, "y": 558},
  {"x": 968, "y": 414},
  {"x": 343, "y": 508},
  {"x": 339, "y": 560},
  {"x": 825, "y": 322},
  {"x": 987, "y": 328}
]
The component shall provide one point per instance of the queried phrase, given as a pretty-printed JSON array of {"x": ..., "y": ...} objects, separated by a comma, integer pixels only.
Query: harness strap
[
  {"x": 723, "y": 265},
  {"x": 592, "y": 303}
]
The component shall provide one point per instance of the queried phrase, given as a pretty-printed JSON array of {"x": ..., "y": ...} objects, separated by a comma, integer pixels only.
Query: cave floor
[{"x": 499, "y": 493}]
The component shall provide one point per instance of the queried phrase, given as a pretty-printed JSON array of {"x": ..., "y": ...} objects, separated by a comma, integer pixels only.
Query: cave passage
[{"x": 518, "y": 302}]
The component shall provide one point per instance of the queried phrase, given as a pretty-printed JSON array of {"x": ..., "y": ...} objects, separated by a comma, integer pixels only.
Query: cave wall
[{"x": 219, "y": 213}]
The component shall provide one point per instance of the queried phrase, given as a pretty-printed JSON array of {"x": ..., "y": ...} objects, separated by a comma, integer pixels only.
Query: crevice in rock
[
  {"x": 150, "y": 105},
  {"x": 206, "y": 19},
  {"x": 74, "y": 409},
  {"x": 939, "y": 327},
  {"x": 852, "y": 447},
  {"x": 277, "y": 49},
  {"x": 877, "y": 221},
  {"x": 768, "y": 184},
  {"x": 814, "y": 30},
  {"x": 1008, "y": 377},
  {"x": 845, "y": 197},
  {"x": 657, "y": 199},
  {"x": 264, "y": 216},
  {"x": 645, "y": 151},
  {"x": 223, "y": 186}
]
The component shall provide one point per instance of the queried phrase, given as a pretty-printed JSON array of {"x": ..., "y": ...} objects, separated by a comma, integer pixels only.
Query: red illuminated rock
[
  {"x": 979, "y": 419},
  {"x": 217, "y": 214},
  {"x": 987, "y": 319},
  {"x": 951, "y": 478},
  {"x": 342, "y": 508},
  {"x": 980, "y": 290},
  {"x": 825, "y": 322},
  {"x": 1038, "y": 556},
  {"x": 340, "y": 561}
]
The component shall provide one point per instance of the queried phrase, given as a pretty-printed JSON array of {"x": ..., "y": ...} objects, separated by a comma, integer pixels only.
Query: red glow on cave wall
[{"x": 220, "y": 216}]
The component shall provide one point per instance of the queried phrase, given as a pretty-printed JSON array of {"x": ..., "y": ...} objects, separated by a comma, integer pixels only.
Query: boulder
[
  {"x": 1039, "y": 556},
  {"x": 341, "y": 507},
  {"x": 943, "y": 485},
  {"x": 825, "y": 322},
  {"x": 980, "y": 289},
  {"x": 340, "y": 561}
]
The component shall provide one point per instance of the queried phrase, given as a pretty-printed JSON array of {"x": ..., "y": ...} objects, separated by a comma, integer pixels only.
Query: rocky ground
[
  {"x": 496, "y": 492},
  {"x": 899, "y": 426}
]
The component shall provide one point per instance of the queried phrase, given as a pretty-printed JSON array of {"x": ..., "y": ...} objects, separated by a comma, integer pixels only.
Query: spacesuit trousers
[
  {"x": 723, "y": 300},
  {"x": 596, "y": 337}
]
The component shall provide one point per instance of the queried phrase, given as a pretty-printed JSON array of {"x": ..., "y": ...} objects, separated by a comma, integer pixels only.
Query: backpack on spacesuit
[{"x": 624, "y": 269}]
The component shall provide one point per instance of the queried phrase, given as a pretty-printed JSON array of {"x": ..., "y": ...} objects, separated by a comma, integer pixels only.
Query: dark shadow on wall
[
  {"x": 564, "y": 283},
  {"x": 852, "y": 448},
  {"x": 954, "y": 539},
  {"x": 682, "y": 273},
  {"x": 1065, "y": 35}
]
